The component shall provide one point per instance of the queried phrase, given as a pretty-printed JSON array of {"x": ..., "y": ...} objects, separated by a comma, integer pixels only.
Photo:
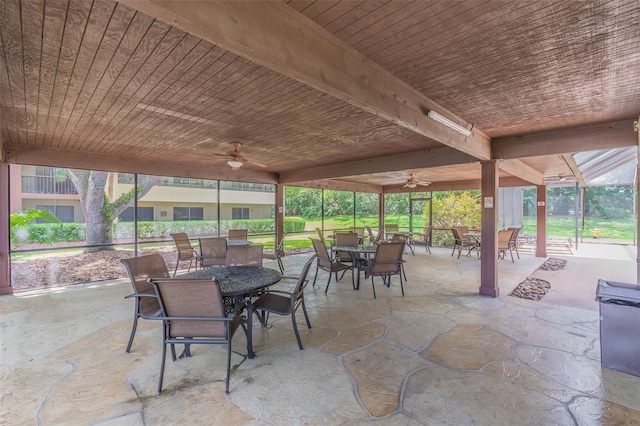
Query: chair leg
[
  {"x": 226, "y": 382},
  {"x": 401, "y": 286},
  {"x": 173, "y": 352},
  {"x": 306, "y": 316},
  {"x": 316, "y": 276},
  {"x": 135, "y": 325},
  {"x": 177, "y": 263},
  {"x": 164, "y": 355},
  {"x": 373, "y": 287},
  {"x": 426, "y": 246},
  {"x": 329, "y": 281},
  {"x": 511, "y": 253},
  {"x": 280, "y": 265},
  {"x": 295, "y": 329}
]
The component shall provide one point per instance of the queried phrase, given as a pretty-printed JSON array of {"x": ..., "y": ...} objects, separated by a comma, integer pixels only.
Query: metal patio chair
[
  {"x": 238, "y": 234},
  {"x": 146, "y": 302},
  {"x": 328, "y": 263},
  {"x": 185, "y": 251},
  {"x": 285, "y": 303},
  {"x": 192, "y": 312},
  {"x": 244, "y": 255},
  {"x": 386, "y": 263},
  {"x": 213, "y": 251}
]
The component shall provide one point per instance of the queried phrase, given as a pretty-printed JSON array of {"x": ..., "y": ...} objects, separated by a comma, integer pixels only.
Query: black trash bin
[{"x": 619, "y": 326}]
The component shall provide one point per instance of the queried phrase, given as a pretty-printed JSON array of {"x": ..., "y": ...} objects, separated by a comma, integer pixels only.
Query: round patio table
[
  {"x": 237, "y": 285},
  {"x": 239, "y": 243},
  {"x": 360, "y": 263}
]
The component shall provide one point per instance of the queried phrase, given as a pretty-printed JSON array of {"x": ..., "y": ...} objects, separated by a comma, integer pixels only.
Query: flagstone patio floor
[{"x": 440, "y": 355}]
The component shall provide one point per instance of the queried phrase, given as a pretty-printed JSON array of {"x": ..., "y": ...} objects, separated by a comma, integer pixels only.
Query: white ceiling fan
[
  {"x": 412, "y": 182},
  {"x": 236, "y": 159}
]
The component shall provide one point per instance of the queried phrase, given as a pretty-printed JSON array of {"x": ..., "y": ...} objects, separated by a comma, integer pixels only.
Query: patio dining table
[
  {"x": 359, "y": 263},
  {"x": 237, "y": 285}
]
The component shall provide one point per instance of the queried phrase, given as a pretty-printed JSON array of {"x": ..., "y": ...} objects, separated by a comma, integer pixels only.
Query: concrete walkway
[{"x": 442, "y": 354}]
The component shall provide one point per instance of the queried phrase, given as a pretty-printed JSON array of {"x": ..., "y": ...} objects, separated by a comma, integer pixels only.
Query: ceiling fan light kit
[
  {"x": 235, "y": 164},
  {"x": 450, "y": 124}
]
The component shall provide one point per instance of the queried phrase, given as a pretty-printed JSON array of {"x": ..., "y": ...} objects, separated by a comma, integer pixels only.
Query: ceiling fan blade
[{"x": 255, "y": 163}]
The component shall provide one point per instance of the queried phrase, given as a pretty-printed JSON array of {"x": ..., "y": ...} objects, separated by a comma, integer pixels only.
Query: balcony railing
[{"x": 47, "y": 185}]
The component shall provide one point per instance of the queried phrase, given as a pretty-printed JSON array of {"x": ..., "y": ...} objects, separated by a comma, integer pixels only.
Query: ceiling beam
[
  {"x": 340, "y": 185},
  {"x": 413, "y": 160},
  {"x": 571, "y": 163},
  {"x": 459, "y": 185},
  {"x": 521, "y": 170},
  {"x": 275, "y": 35},
  {"x": 589, "y": 138},
  {"x": 31, "y": 154}
]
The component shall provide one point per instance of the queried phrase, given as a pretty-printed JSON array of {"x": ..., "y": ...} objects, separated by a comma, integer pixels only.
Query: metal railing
[{"x": 47, "y": 185}]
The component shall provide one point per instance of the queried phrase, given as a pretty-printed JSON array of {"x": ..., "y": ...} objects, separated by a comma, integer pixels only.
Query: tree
[{"x": 99, "y": 211}]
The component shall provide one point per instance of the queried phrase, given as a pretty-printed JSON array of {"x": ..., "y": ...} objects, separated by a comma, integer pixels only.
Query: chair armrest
[
  {"x": 280, "y": 292},
  {"x": 141, "y": 295},
  {"x": 228, "y": 319}
]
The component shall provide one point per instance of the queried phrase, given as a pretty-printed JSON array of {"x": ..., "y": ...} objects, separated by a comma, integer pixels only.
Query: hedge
[{"x": 65, "y": 232}]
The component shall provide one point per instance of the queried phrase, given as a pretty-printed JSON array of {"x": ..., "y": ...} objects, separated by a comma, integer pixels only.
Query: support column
[
  {"x": 381, "y": 213},
  {"x": 541, "y": 217},
  {"x": 489, "y": 237},
  {"x": 279, "y": 215},
  {"x": 5, "y": 244},
  {"x": 636, "y": 127}
]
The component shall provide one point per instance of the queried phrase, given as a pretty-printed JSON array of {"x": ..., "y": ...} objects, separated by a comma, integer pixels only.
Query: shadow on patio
[{"x": 440, "y": 355}]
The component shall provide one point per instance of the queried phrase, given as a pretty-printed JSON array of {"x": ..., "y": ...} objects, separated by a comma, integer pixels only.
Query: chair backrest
[
  {"x": 391, "y": 227},
  {"x": 458, "y": 232},
  {"x": 504, "y": 239},
  {"x": 370, "y": 232},
  {"x": 388, "y": 259},
  {"x": 185, "y": 249},
  {"x": 238, "y": 234},
  {"x": 321, "y": 252},
  {"x": 213, "y": 251},
  {"x": 244, "y": 255},
  {"x": 192, "y": 299},
  {"x": 302, "y": 280},
  {"x": 427, "y": 233},
  {"x": 349, "y": 239},
  {"x": 320, "y": 233},
  {"x": 398, "y": 238},
  {"x": 139, "y": 269},
  {"x": 359, "y": 230},
  {"x": 514, "y": 236}
]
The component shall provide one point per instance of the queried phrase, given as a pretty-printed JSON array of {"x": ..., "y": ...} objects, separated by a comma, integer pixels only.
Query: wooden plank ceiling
[{"x": 128, "y": 86}]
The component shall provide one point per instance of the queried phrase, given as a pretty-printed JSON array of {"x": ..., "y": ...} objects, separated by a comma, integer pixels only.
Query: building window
[
  {"x": 188, "y": 213},
  {"x": 240, "y": 213},
  {"x": 144, "y": 214},
  {"x": 64, "y": 213}
]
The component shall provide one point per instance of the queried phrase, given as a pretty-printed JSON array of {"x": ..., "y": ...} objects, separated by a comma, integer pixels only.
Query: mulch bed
[
  {"x": 535, "y": 288},
  {"x": 553, "y": 264},
  {"x": 531, "y": 288},
  {"x": 64, "y": 269}
]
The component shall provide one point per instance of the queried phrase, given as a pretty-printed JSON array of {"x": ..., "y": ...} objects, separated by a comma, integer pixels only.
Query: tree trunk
[{"x": 99, "y": 213}]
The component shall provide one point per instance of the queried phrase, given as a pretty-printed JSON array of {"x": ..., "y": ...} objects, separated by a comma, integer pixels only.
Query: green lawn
[{"x": 621, "y": 229}]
